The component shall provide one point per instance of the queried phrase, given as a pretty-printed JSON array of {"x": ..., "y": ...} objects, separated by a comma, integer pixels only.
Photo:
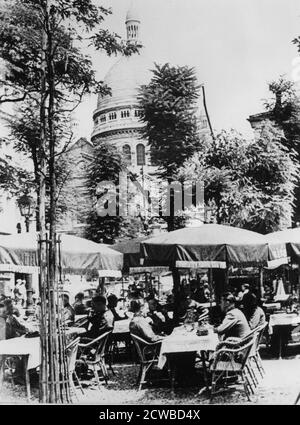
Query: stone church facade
[{"x": 117, "y": 120}]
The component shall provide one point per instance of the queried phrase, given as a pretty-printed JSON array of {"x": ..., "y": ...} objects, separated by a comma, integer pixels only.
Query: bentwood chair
[
  {"x": 254, "y": 356},
  {"x": 93, "y": 354},
  {"x": 71, "y": 353},
  {"x": 229, "y": 365},
  {"x": 148, "y": 357}
]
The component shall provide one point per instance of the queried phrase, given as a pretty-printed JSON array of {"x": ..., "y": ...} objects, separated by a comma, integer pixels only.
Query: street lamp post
[{"x": 27, "y": 208}]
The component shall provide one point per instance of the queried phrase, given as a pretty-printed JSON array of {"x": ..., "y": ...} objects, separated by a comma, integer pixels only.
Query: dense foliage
[
  {"x": 169, "y": 104},
  {"x": 284, "y": 111},
  {"x": 249, "y": 184},
  {"x": 103, "y": 183},
  {"x": 41, "y": 38}
]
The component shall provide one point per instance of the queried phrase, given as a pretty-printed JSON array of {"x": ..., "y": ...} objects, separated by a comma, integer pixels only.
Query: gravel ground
[{"x": 280, "y": 386}]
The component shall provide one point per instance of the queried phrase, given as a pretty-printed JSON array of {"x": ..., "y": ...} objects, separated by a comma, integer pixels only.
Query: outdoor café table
[
  {"x": 26, "y": 348},
  {"x": 29, "y": 350},
  {"x": 282, "y": 320},
  {"x": 182, "y": 341}
]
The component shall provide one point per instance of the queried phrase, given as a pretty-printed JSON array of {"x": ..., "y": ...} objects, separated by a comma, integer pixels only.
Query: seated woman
[
  {"x": 254, "y": 314},
  {"x": 2, "y": 321}
]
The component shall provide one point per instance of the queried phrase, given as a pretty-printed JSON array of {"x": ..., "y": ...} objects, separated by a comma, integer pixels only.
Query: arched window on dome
[
  {"x": 127, "y": 154},
  {"x": 140, "y": 154}
]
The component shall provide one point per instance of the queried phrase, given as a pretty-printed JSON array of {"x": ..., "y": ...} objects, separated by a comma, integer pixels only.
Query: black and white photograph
[{"x": 150, "y": 205}]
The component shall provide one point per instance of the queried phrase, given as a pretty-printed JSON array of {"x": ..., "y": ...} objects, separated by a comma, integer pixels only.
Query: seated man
[
  {"x": 79, "y": 307},
  {"x": 235, "y": 323},
  {"x": 159, "y": 316},
  {"x": 198, "y": 292},
  {"x": 14, "y": 327},
  {"x": 2, "y": 321},
  {"x": 99, "y": 320},
  {"x": 189, "y": 309},
  {"x": 140, "y": 325},
  {"x": 68, "y": 311}
]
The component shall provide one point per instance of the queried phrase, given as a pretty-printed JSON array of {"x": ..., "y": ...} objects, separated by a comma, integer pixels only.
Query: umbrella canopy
[
  {"x": 20, "y": 253},
  {"x": 212, "y": 246},
  {"x": 291, "y": 237},
  {"x": 131, "y": 251}
]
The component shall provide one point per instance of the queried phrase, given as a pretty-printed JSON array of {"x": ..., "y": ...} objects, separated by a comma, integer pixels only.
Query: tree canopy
[
  {"x": 171, "y": 127},
  {"x": 70, "y": 28},
  {"x": 249, "y": 184},
  {"x": 103, "y": 184},
  {"x": 74, "y": 25}
]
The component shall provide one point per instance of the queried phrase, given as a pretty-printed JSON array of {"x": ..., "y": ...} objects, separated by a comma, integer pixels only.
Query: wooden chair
[
  {"x": 148, "y": 356},
  {"x": 230, "y": 363},
  {"x": 119, "y": 344},
  {"x": 71, "y": 353},
  {"x": 93, "y": 354},
  {"x": 254, "y": 356}
]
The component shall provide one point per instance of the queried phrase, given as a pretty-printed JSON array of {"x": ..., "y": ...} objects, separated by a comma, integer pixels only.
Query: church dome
[
  {"x": 124, "y": 79},
  {"x": 133, "y": 13},
  {"x": 119, "y": 112}
]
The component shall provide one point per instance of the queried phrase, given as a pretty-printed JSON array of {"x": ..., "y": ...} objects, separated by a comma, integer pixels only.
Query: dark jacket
[
  {"x": 14, "y": 328},
  {"x": 99, "y": 325}
]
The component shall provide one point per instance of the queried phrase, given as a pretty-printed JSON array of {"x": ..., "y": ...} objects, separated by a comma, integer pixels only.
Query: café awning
[
  {"x": 130, "y": 248},
  {"x": 19, "y": 253},
  {"x": 291, "y": 238},
  {"x": 212, "y": 246}
]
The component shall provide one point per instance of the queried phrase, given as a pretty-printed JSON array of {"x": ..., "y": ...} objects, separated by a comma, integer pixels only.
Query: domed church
[
  {"x": 117, "y": 121},
  {"x": 117, "y": 116}
]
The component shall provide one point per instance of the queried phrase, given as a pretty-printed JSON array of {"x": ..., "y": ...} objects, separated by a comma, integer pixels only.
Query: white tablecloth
[
  {"x": 22, "y": 346},
  {"x": 182, "y": 341},
  {"x": 121, "y": 326},
  {"x": 73, "y": 330},
  {"x": 31, "y": 346},
  {"x": 283, "y": 319}
]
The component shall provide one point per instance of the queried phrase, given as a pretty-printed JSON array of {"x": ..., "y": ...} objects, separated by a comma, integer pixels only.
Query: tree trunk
[
  {"x": 42, "y": 228},
  {"x": 176, "y": 290},
  {"x": 54, "y": 395}
]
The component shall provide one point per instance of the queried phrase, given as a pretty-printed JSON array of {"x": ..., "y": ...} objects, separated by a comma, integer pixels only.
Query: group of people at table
[
  {"x": 147, "y": 318},
  {"x": 153, "y": 322}
]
